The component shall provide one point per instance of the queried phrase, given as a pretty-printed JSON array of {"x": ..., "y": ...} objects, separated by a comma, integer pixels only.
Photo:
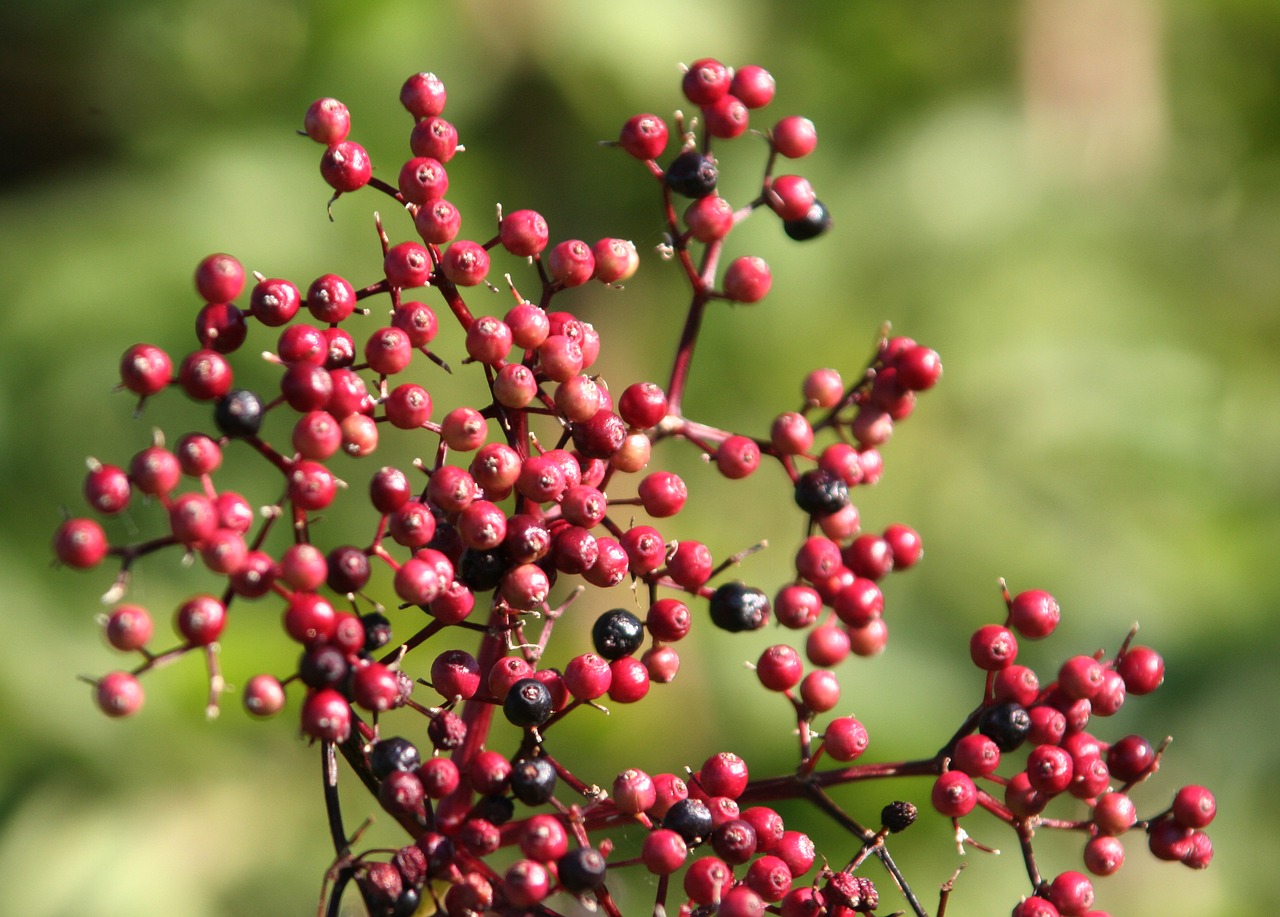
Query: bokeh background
[{"x": 1077, "y": 202}]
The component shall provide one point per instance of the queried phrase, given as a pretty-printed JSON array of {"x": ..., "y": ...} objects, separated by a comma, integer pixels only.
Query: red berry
[
  {"x": 820, "y": 691},
  {"x": 993, "y": 647},
  {"x": 423, "y": 94},
  {"x": 570, "y": 263},
  {"x": 976, "y": 755},
  {"x": 1194, "y": 807},
  {"x": 1034, "y": 614},
  {"x": 1114, "y": 813},
  {"x": 488, "y": 340},
  {"x": 388, "y": 351},
  {"x": 408, "y": 264},
  {"x": 345, "y": 166},
  {"x": 794, "y": 137},
  {"x": 1142, "y": 669},
  {"x": 107, "y": 488},
  {"x": 737, "y": 457},
  {"x": 954, "y": 794},
  {"x": 330, "y": 298},
  {"x": 727, "y": 117},
  {"x": 644, "y": 136},
  {"x": 779, "y": 667},
  {"x": 791, "y": 196},
  {"x": 827, "y": 645},
  {"x": 663, "y": 852},
  {"x": 326, "y": 715},
  {"x": 264, "y": 695},
  {"x": 1104, "y": 855},
  {"x": 219, "y": 277},
  {"x": 1049, "y": 769},
  {"x": 435, "y": 137},
  {"x": 616, "y": 260},
  {"x": 80, "y": 543},
  {"x": 200, "y": 620},
  {"x": 129, "y": 627},
  {"x": 1072, "y": 893},
  {"x": 1080, "y": 677},
  {"x": 845, "y": 738},
  {"x": 724, "y": 774},
  {"x": 707, "y": 880},
  {"x": 629, "y": 680},
  {"x": 709, "y": 218},
  {"x": 747, "y": 279},
  {"x": 118, "y": 694},
  {"x": 423, "y": 180},
  {"x": 326, "y": 121},
  {"x": 705, "y": 81},
  {"x": 145, "y": 369},
  {"x": 753, "y": 85}
]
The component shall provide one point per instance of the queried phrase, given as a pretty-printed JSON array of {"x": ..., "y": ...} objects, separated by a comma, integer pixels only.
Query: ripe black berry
[
  {"x": 581, "y": 870},
  {"x": 496, "y": 810},
  {"x": 238, "y": 413},
  {"x": 811, "y": 225},
  {"x": 736, "y": 607},
  {"x": 323, "y": 667},
  {"x": 691, "y": 819},
  {"x": 1005, "y": 724},
  {"x": 377, "y": 630},
  {"x": 481, "y": 571},
  {"x": 692, "y": 175},
  {"x": 393, "y": 754},
  {"x": 617, "y": 633},
  {"x": 898, "y": 816},
  {"x": 528, "y": 703},
  {"x": 348, "y": 569},
  {"x": 821, "y": 493},
  {"x": 533, "y": 780}
]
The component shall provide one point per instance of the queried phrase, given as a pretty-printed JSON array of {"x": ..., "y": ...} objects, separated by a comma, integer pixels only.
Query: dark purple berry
[
  {"x": 238, "y": 413},
  {"x": 821, "y": 493}
]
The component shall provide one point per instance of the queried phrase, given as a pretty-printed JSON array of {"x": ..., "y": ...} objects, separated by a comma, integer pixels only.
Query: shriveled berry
[{"x": 820, "y": 493}]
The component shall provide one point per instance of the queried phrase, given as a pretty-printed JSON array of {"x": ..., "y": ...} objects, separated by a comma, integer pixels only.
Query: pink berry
[
  {"x": 1194, "y": 807},
  {"x": 1142, "y": 669},
  {"x": 408, "y": 264},
  {"x": 727, "y": 117}
]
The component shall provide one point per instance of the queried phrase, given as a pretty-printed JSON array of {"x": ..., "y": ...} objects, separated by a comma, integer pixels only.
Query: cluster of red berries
[{"x": 512, "y": 497}]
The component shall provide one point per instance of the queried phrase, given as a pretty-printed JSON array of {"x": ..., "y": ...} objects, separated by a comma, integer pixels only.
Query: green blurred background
[{"x": 1077, "y": 202}]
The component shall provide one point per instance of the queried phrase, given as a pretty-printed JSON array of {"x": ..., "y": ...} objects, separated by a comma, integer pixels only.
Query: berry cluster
[{"x": 536, "y": 485}]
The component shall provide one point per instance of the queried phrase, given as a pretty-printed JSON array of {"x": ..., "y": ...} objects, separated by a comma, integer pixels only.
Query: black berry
[
  {"x": 581, "y": 870},
  {"x": 617, "y": 633},
  {"x": 528, "y": 703},
  {"x": 238, "y": 413},
  {"x": 820, "y": 492},
  {"x": 813, "y": 224},
  {"x": 691, "y": 819},
  {"x": 393, "y": 754},
  {"x": 692, "y": 175},
  {"x": 533, "y": 780},
  {"x": 1005, "y": 724},
  {"x": 736, "y": 607}
]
